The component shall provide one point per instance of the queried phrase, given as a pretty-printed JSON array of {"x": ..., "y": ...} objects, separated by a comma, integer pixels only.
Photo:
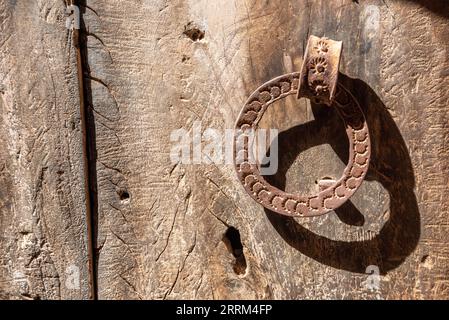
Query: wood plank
[
  {"x": 43, "y": 233},
  {"x": 163, "y": 229}
]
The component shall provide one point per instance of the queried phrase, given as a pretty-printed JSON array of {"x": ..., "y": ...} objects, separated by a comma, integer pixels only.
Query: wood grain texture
[
  {"x": 161, "y": 226},
  {"x": 166, "y": 231},
  {"x": 43, "y": 234}
]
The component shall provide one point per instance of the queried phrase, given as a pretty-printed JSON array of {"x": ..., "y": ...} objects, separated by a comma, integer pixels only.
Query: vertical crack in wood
[{"x": 89, "y": 146}]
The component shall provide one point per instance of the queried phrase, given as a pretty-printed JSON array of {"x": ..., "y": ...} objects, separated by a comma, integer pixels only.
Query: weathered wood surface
[
  {"x": 166, "y": 239},
  {"x": 165, "y": 231},
  {"x": 43, "y": 234}
]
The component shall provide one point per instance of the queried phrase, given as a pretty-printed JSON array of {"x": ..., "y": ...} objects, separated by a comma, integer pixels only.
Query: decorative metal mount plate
[
  {"x": 317, "y": 81},
  {"x": 319, "y": 73}
]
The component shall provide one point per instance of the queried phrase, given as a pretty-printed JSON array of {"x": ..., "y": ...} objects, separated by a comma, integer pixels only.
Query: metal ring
[{"x": 289, "y": 204}]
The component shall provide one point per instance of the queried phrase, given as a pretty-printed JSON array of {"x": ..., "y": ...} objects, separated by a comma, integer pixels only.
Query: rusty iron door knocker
[{"x": 317, "y": 81}]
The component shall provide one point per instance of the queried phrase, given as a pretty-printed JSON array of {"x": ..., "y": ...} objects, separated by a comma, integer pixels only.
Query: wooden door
[{"x": 92, "y": 206}]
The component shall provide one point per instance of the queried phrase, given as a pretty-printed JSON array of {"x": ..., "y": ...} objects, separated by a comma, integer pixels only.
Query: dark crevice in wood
[
  {"x": 89, "y": 147},
  {"x": 234, "y": 244}
]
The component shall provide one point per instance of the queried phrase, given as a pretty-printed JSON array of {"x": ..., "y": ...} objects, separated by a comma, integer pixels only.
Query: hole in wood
[
  {"x": 233, "y": 242},
  {"x": 193, "y": 32},
  {"x": 123, "y": 195}
]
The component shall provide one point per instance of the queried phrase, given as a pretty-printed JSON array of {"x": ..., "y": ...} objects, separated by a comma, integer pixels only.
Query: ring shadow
[
  {"x": 390, "y": 165},
  {"x": 439, "y": 7}
]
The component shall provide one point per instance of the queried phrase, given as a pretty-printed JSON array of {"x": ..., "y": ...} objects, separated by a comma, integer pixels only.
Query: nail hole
[
  {"x": 193, "y": 32},
  {"x": 234, "y": 244},
  {"x": 123, "y": 194}
]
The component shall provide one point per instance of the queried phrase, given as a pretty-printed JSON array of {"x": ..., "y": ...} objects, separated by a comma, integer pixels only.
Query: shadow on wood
[
  {"x": 439, "y": 7},
  {"x": 390, "y": 166},
  {"x": 90, "y": 136}
]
